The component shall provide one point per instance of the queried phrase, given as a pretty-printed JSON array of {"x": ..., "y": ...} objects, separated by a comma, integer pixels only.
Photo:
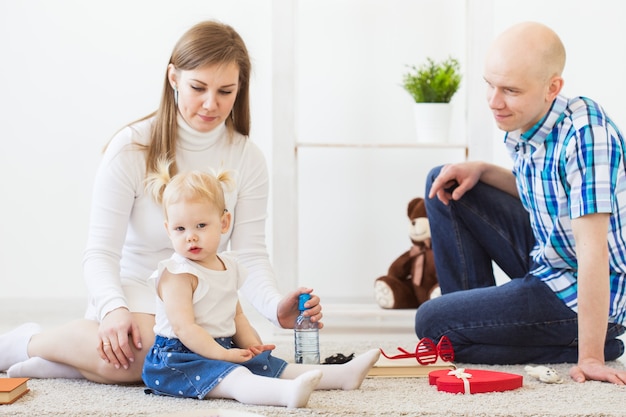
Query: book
[
  {"x": 12, "y": 388},
  {"x": 406, "y": 367}
]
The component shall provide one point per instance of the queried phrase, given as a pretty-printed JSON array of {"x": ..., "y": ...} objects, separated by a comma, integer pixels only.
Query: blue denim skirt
[{"x": 172, "y": 369}]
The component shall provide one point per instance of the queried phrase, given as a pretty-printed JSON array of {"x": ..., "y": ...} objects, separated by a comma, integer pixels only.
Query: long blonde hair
[
  {"x": 206, "y": 43},
  {"x": 191, "y": 185}
]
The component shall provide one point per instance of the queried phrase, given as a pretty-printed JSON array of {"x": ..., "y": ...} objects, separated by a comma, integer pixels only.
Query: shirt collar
[{"x": 540, "y": 131}]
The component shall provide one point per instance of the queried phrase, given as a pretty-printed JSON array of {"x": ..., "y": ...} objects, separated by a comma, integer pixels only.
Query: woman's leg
[
  {"x": 521, "y": 321},
  {"x": 486, "y": 225},
  {"x": 14, "y": 344},
  {"x": 248, "y": 388},
  {"x": 347, "y": 376},
  {"x": 75, "y": 344},
  {"x": 37, "y": 367}
]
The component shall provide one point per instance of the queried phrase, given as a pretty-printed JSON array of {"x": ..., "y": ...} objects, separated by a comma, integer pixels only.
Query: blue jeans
[{"x": 521, "y": 321}]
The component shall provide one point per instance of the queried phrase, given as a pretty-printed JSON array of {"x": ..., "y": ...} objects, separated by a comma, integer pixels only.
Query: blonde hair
[{"x": 197, "y": 185}]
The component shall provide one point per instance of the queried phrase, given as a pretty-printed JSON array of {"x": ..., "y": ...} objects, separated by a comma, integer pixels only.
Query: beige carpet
[{"x": 377, "y": 396}]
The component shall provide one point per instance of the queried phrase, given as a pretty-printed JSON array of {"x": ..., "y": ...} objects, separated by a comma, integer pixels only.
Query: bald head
[
  {"x": 523, "y": 74},
  {"x": 532, "y": 46}
]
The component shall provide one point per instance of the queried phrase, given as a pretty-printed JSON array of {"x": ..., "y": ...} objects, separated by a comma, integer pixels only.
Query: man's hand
[
  {"x": 597, "y": 371},
  {"x": 288, "y": 308},
  {"x": 463, "y": 175},
  {"x": 114, "y": 344},
  {"x": 456, "y": 179}
]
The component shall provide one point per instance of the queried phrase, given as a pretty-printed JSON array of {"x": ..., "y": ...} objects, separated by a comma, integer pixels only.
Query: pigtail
[
  {"x": 226, "y": 180},
  {"x": 156, "y": 182}
]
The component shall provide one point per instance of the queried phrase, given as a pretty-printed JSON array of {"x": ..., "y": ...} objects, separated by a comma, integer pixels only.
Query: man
[{"x": 555, "y": 225}]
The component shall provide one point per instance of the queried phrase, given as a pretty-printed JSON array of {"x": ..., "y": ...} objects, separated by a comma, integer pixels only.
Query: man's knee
[
  {"x": 426, "y": 319},
  {"x": 432, "y": 175}
]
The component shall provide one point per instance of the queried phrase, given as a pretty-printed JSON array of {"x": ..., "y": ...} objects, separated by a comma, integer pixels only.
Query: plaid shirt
[{"x": 568, "y": 165}]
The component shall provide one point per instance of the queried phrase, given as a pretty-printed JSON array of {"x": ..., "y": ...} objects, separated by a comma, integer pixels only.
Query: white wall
[
  {"x": 74, "y": 72},
  {"x": 350, "y": 59}
]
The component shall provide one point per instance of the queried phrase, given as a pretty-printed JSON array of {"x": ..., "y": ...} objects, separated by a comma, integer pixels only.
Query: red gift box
[{"x": 474, "y": 381}]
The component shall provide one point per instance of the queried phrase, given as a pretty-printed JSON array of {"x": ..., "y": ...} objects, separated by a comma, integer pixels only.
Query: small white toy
[{"x": 544, "y": 374}]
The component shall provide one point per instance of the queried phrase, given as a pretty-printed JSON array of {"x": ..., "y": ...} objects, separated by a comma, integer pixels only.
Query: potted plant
[{"x": 432, "y": 86}]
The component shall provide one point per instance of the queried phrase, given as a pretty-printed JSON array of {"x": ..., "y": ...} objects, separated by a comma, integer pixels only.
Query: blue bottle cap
[{"x": 303, "y": 298}]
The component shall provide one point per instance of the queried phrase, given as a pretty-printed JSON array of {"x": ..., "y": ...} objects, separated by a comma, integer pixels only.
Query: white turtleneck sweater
[{"x": 127, "y": 236}]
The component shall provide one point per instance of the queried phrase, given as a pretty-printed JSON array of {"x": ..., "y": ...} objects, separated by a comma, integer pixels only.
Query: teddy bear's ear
[{"x": 412, "y": 206}]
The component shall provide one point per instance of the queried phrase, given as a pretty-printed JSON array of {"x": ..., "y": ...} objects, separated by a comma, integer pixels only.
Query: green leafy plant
[{"x": 433, "y": 82}]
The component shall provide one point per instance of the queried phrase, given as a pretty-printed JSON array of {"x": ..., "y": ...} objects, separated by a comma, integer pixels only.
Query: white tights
[
  {"x": 248, "y": 388},
  {"x": 295, "y": 384}
]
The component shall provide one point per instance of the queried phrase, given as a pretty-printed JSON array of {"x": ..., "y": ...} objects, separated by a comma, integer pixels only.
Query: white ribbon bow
[{"x": 461, "y": 374}]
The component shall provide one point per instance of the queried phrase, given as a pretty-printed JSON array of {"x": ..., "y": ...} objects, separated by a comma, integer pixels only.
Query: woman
[{"x": 202, "y": 122}]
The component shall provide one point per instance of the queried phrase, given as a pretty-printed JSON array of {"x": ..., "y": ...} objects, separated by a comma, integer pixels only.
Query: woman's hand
[
  {"x": 114, "y": 342},
  {"x": 288, "y": 308}
]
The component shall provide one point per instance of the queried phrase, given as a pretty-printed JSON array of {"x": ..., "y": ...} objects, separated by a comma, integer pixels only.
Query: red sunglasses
[{"x": 426, "y": 352}]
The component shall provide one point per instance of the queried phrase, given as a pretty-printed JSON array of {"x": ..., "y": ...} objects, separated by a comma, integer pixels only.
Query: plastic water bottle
[{"x": 306, "y": 332}]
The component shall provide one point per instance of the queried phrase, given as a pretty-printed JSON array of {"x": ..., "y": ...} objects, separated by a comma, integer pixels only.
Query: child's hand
[
  {"x": 237, "y": 355},
  {"x": 261, "y": 348}
]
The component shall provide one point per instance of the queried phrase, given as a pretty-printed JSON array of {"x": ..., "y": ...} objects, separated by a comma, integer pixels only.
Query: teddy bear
[{"x": 411, "y": 279}]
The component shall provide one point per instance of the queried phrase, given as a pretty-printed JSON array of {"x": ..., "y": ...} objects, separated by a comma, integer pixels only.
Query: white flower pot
[{"x": 432, "y": 122}]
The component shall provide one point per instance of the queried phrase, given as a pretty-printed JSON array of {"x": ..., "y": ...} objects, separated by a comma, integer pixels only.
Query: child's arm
[
  {"x": 176, "y": 291},
  {"x": 246, "y": 336}
]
